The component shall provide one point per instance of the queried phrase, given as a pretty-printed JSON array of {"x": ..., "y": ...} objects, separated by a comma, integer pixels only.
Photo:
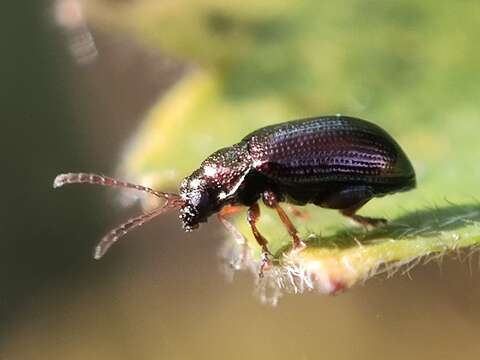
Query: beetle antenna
[
  {"x": 87, "y": 178},
  {"x": 112, "y": 237},
  {"x": 173, "y": 201}
]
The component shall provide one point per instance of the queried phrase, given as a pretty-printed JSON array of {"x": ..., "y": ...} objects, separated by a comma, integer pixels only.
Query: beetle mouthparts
[{"x": 190, "y": 228}]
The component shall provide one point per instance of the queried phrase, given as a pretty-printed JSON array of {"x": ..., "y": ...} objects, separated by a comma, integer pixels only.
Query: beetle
[{"x": 335, "y": 162}]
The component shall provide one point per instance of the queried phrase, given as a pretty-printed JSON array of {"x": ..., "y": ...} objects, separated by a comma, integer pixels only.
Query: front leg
[
  {"x": 222, "y": 216},
  {"x": 239, "y": 259},
  {"x": 270, "y": 199},
  {"x": 252, "y": 217}
]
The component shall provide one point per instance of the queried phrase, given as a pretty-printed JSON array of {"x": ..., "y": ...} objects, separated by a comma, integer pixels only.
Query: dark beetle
[{"x": 335, "y": 162}]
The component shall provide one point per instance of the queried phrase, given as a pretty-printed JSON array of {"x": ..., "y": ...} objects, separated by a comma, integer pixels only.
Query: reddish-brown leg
[
  {"x": 271, "y": 201},
  {"x": 362, "y": 220},
  {"x": 253, "y": 216},
  {"x": 222, "y": 216},
  {"x": 229, "y": 210},
  {"x": 239, "y": 260},
  {"x": 298, "y": 213}
]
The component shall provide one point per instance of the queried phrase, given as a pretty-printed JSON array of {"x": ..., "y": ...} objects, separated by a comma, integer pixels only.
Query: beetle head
[
  {"x": 197, "y": 201},
  {"x": 215, "y": 184}
]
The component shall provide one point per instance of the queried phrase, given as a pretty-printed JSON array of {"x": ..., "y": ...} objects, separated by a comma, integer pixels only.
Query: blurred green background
[{"x": 174, "y": 72}]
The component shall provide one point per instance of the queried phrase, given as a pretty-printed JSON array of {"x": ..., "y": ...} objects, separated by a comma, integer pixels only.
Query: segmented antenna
[
  {"x": 173, "y": 201},
  {"x": 94, "y": 179},
  {"x": 110, "y": 239}
]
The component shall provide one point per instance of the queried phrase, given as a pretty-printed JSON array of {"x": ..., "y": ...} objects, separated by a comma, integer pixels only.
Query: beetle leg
[
  {"x": 253, "y": 216},
  {"x": 301, "y": 214},
  {"x": 362, "y": 220},
  {"x": 222, "y": 216},
  {"x": 229, "y": 210},
  {"x": 241, "y": 255},
  {"x": 270, "y": 199}
]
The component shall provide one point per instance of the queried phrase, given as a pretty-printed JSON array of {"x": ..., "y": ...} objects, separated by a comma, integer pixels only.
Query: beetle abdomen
[{"x": 329, "y": 149}]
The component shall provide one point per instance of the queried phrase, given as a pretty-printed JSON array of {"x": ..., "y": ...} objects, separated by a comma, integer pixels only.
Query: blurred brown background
[{"x": 162, "y": 295}]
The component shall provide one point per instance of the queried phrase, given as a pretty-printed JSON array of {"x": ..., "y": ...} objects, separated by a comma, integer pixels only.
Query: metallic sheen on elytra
[{"x": 335, "y": 162}]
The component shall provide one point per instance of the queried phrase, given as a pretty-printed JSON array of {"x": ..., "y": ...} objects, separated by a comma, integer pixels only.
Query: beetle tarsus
[
  {"x": 369, "y": 222},
  {"x": 265, "y": 263},
  {"x": 297, "y": 247}
]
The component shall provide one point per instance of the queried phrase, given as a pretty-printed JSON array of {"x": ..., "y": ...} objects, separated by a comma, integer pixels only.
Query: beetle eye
[
  {"x": 204, "y": 200},
  {"x": 199, "y": 199}
]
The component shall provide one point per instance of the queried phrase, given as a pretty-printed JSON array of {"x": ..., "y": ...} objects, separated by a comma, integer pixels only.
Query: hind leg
[
  {"x": 362, "y": 220},
  {"x": 350, "y": 200}
]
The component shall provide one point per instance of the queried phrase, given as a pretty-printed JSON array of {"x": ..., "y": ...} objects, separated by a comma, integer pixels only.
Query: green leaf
[
  {"x": 399, "y": 66},
  {"x": 424, "y": 223}
]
